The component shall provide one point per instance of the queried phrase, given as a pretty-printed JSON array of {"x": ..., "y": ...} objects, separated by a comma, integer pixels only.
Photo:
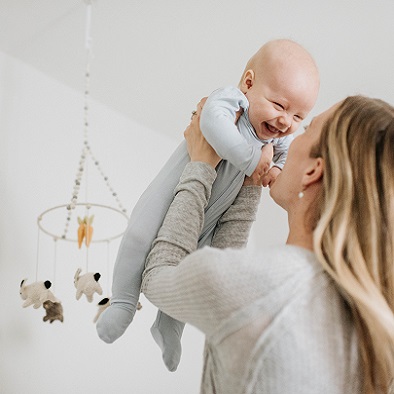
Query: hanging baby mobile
[{"x": 79, "y": 217}]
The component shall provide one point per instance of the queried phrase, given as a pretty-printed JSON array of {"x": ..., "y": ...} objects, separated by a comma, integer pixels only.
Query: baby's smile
[
  {"x": 268, "y": 131},
  {"x": 272, "y": 129}
]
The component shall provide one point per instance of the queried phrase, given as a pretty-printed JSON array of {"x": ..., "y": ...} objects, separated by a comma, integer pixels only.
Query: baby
[{"x": 276, "y": 92}]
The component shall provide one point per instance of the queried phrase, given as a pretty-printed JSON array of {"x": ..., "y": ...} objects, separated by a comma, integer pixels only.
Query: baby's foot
[
  {"x": 114, "y": 321},
  {"x": 167, "y": 333}
]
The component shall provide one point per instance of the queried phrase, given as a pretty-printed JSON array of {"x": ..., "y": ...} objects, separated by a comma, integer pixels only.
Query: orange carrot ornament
[
  {"x": 81, "y": 231},
  {"x": 85, "y": 230},
  {"x": 88, "y": 229}
]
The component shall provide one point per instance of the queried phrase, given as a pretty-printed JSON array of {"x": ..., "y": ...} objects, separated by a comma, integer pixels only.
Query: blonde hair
[{"x": 354, "y": 236}]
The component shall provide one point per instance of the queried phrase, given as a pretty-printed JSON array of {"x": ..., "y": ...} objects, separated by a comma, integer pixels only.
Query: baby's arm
[
  {"x": 280, "y": 147},
  {"x": 264, "y": 163},
  {"x": 218, "y": 126}
]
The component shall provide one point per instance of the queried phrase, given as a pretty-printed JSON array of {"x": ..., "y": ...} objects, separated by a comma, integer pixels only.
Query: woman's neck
[{"x": 300, "y": 233}]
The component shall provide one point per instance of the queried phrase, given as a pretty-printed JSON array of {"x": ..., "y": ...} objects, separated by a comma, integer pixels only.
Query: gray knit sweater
[{"x": 274, "y": 321}]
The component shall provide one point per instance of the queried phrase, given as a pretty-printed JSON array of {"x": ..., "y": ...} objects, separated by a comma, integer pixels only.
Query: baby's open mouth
[{"x": 272, "y": 129}]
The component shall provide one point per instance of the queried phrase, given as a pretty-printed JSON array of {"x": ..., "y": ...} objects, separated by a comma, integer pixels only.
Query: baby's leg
[
  {"x": 167, "y": 331},
  {"x": 142, "y": 229}
]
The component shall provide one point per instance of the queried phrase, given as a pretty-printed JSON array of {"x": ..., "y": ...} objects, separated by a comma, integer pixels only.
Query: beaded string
[
  {"x": 105, "y": 177},
  {"x": 86, "y": 150}
]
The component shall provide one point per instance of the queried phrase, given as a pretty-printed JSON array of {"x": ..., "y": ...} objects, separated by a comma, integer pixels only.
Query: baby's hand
[
  {"x": 264, "y": 164},
  {"x": 267, "y": 152},
  {"x": 270, "y": 176}
]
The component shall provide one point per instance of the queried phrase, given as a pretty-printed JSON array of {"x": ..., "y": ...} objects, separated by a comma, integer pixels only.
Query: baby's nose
[{"x": 286, "y": 120}]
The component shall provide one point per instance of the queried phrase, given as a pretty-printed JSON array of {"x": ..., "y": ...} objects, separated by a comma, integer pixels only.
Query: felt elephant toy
[
  {"x": 54, "y": 311},
  {"x": 102, "y": 306},
  {"x": 36, "y": 293},
  {"x": 87, "y": 284}
]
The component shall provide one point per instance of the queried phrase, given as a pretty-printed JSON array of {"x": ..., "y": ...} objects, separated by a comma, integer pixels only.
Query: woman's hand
[
  {"x": 197, "y": 145},
  {"x": 253, "y": 180}
]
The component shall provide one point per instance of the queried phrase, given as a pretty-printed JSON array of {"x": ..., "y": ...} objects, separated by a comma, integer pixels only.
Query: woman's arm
[
  {"x": 233, "y": 228},
  {"x": 183, "y": 223},
  {"x": 198, "y": 287},
  {"x": 168, "y": 282}
]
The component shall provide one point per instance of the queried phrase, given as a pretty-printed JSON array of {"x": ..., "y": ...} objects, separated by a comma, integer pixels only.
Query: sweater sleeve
[
  {"x": 233, "y": 228},
  {"x": 182, "y": 225},
  {"x": 218, "y": 126},
  {"x": 185, "y": 285}
]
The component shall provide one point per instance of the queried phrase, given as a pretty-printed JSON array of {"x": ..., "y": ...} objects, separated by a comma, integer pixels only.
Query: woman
[{"x": 313, "y": 316}]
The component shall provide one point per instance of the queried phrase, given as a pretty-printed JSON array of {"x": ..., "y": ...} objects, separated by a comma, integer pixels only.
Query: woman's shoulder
[
  {"x": 285, "y": 257},
  {"x": 289, "y": 255},
  {"x": 259, "y": 270},
  {"x": 282, "y": 265}
]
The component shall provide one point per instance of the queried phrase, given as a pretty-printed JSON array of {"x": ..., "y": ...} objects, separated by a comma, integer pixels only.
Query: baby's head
[{"x": 281, "y": 83}]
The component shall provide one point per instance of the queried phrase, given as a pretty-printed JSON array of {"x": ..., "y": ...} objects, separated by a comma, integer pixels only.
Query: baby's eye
[
  {"x": 278, "y": 106},
  {"x": 298, "y": 118}
]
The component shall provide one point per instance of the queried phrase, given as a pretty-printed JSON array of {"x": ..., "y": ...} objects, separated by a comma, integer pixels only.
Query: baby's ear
[
  {"x": 314, "y": 172},
  {"x": 247, "y": 81}
]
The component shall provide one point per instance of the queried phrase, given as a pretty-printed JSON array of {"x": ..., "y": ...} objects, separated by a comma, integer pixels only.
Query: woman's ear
[
  {"x": 314, "y": 172},
  {"x": 247, "y": 81}
]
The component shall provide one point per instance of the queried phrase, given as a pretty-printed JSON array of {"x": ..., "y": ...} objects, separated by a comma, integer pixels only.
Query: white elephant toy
[
  {"x": 87, "y": 284},
  {"x": 36, "y": 293},
  {"x": 102, "y": 306}
]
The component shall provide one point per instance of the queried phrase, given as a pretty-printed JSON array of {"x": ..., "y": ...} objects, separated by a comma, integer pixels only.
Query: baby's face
[{"x": 279, "y": 101}]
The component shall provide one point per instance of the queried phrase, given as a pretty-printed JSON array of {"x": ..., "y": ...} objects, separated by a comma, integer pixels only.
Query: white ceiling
[{"x": 153, "y": 60}]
